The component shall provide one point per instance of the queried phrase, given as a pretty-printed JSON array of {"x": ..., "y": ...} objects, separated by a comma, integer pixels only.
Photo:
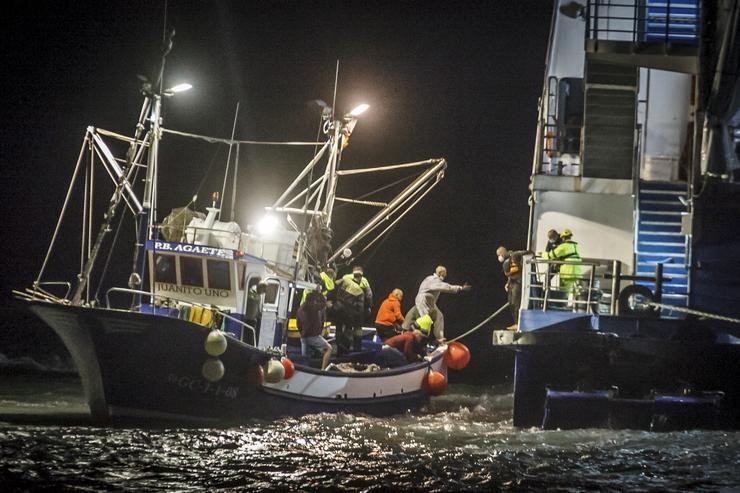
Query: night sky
[{"x": 458, "y": 80}]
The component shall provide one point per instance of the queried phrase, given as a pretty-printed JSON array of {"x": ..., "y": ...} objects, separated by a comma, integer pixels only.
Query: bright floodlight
[
  {"x": 180, "y": 88},
  {"x": 267, "y": 225},
  {"x": 359, "y": 110}
]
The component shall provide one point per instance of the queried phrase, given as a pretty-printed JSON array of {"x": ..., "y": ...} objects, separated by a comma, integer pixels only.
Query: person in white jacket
[{"x": 425, "y": 302}]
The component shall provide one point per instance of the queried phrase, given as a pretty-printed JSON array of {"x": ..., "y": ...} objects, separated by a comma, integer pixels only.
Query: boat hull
[{"x": 138, "y": 366}]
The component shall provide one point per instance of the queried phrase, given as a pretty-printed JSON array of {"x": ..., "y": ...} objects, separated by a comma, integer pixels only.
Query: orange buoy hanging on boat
[
  {"x": 435, "y": 383},
  {"x": 457, "y": 356},
  {"x": 289, "y": 367}
]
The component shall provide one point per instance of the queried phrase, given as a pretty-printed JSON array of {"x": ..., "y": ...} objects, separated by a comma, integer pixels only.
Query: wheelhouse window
[
  {"x": 191, "y": 271},
  {"x": 164, "y": 269},
  {"x": 271, "y": 293},
  {"x": 218, "y": 274}
]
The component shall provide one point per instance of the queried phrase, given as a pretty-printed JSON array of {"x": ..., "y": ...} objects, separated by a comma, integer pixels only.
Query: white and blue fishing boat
[
  {"x": 637, "y": 154},
  {"x": 202, "y": 330}
]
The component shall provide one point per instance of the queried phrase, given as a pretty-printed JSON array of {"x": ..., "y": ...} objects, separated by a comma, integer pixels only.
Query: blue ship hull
[{"x": 563, "y": 370}]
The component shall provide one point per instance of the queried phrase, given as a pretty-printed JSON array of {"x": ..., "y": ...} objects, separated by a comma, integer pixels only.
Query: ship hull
[
  {"x": 554, "y": 366},
  {"x": 144, "y": 367}
]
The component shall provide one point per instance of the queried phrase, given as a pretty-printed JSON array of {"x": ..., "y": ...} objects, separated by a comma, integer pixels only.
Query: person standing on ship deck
[
  {"x": 425, "y": 302},
  {"x": 310, "y": 319},
  {"x": 352, "y": 307},
  {"x": 570, "y": 271},
  {"x": 512, "y": 266}
]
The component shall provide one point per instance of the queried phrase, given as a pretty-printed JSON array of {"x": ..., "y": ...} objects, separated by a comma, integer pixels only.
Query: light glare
[
  {"x": 267, "y": 225},
  {"x": 181, "y": 88},
  {"x": 359, "y": 109}
]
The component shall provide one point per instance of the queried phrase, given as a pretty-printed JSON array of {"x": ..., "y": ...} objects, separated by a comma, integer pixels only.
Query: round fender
[
  {"x": 289, "y": 367},
  {"x": 275, "y": 371},
  {"x": 213, "y": 370},
  {"x": 216, "y": 343},
  {"x": 457, "y": 356},
  {"x": 629, "y": 295},
  {"x": 434, "y": 383}
]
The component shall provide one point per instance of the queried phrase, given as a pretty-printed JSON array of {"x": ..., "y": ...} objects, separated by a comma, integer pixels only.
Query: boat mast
[{"x": 123, "y": 181}]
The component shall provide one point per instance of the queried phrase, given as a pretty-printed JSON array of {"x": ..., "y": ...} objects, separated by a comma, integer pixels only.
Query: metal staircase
[{"x": 659, "y": 239}]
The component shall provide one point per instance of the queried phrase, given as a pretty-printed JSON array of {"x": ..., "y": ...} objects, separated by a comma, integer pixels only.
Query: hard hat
[
  {"x": 566, "y": 233},
  {"x": 425, "y": 324}
]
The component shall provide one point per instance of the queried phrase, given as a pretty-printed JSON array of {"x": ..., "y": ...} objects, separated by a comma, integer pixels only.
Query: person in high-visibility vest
[
  {"x": 352, "y": 307},
  {"x": 568, "y": 252}
]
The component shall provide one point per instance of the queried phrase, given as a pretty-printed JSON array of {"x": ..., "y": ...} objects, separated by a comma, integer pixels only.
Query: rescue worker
[
  {"x": 512, "y": 267},
  {"x": 389, "y": 318},
  {"x": 567, "y": 251},
  {"x": 425, "y": 302},
  {"x": 408, "y": 346},
  {"x": 352, "y": 307},
  {"x": 326, "y": 276},
  {"x": 553, "y": 240}
]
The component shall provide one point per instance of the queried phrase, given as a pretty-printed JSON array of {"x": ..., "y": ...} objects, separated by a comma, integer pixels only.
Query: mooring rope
[
  {"x": 490, "y": 317},
  {"x": 692, "y": 312}
]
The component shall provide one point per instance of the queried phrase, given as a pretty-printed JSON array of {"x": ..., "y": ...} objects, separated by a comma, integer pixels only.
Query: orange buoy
[
  {"x": 435, "y": 383},
  {"x": 289, "y": 367},
  {"x": 256, "y": 375},
  {"x": 457, "y": 356}
]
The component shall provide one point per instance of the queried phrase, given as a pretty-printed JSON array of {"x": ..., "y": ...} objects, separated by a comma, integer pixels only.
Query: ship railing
[
  {"x": 38, "y": 286},
  {"x": 545, "y": 287},
  {"x": 191, "y": 233},
  {"x": 594, "y": 285},
  {"x": 167, "y": 299},
  {"x": 640, "y": 21}
]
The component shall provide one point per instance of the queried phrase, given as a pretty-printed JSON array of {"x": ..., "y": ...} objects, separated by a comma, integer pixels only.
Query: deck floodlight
[
  {"x": 178, "y": 88},
  {"x": 267, "y": 225},
  {"x": 358, "y": 110}
]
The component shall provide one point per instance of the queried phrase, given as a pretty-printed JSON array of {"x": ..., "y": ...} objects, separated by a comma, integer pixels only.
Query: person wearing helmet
[
  {"x": 409, "y": 345},
  {"x": 567, "y": 251},
  {"x": 425, "y": 302}
]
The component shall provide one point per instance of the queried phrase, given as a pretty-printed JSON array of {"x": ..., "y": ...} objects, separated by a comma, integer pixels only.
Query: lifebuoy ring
[{"x": 629, "y": 295}]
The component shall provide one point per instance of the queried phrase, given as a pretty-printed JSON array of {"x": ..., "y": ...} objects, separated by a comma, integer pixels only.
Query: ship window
[
  {"x": 191, "y": 271},
  {"x": 164, "y": 269},
  {"x": 218, "y": 274},
  {"x": 271, "y": 293}
]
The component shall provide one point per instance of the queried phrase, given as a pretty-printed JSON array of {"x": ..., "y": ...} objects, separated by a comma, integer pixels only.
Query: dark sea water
[{"x": 463, "y": 441}]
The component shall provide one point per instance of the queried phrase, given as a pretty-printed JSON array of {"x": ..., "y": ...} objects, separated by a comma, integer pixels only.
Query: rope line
[
  {"x": 490, "y": 317},
  {"x": 692, "y": 312}
]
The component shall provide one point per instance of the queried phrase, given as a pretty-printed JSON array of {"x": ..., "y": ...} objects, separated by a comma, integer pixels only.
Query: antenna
[
  {"x": 336, "y": 83},
  {"x": 228, "y": 162}
]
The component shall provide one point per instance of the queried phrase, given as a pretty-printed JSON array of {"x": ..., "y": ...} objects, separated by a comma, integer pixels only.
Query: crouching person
[
  {"x": 408, "y": 346},
  {"x": 310, "y": 318}
]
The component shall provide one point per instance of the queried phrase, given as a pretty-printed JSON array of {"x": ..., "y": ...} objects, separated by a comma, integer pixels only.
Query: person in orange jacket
[{"x": 389, "y": 318}]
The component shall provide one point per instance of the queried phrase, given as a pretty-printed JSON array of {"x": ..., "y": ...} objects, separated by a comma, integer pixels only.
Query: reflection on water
[{"x": 464, "y": 441}]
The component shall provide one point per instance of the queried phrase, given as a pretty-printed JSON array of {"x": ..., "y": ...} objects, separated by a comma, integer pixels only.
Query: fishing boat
[
  {"x": 636, "y": 153},
  {"x": 202, "y": 330}
]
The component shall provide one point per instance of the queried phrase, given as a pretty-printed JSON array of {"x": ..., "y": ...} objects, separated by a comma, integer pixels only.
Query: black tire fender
[{"x": 625, "y": 307}]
